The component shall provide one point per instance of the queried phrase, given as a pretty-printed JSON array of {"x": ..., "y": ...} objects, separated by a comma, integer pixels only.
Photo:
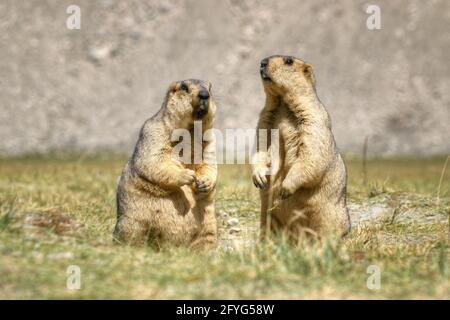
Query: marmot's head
[
  {"x": 190, "y": 100},
  {"x": 282, "y": 74}
]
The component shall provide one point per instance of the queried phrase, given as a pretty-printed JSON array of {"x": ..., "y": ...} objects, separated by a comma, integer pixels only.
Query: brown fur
[
  {"x": 307, "y": 194},
  {"x": 161, "y": 201}
]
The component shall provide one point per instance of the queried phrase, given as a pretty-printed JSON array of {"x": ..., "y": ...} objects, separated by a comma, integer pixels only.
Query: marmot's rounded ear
[
  {"x": 307, "y": 69},
  {"x": 173, "y": 87},
  {"x": 308, "y": 72}
]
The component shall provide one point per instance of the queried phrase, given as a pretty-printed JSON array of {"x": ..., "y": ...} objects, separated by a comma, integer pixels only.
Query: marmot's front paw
[
  {"x": 259, "y": 177},
  {"x": 186, "y": 177},
  {"x": 203, "y": 185},
  {"x": 286, "y": 190}
]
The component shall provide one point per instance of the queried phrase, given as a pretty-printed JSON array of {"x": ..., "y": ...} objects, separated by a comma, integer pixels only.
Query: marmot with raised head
[
  {"x": 306, "y": 191},
  {"x": 161, "y": 200}
]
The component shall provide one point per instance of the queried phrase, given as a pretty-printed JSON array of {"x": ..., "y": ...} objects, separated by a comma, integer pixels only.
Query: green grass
[{"x": 60, "y": 211}]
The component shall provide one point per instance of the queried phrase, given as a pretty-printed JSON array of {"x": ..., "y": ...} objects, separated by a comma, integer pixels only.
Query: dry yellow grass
[{"x": 60, "y": 211}]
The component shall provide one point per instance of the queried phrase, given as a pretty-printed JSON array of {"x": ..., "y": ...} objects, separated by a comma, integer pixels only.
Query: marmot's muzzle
[
  {"x": 203, "y": 104},
  {"x": 203, "y": 94},
  {"x": 263, "y": 71},
  {"x": 202, "y": 109}
]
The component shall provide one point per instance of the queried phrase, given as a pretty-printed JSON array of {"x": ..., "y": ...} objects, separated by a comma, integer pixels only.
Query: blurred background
[{"x": 92, "y": 89}]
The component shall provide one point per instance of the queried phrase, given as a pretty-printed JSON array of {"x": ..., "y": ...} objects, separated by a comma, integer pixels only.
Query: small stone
[
  {"x": 233, "y": 222},
  {"x": 99, "y": 53},
  {"x": 61, "y": 255},
  {"x": 37, "y": 255},
  {"x": 235, "y": 230},
  {"x": 223, "y": 215}
]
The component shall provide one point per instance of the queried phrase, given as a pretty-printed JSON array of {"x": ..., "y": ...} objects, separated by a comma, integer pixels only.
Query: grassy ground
[{"x": 56, "y": 212}]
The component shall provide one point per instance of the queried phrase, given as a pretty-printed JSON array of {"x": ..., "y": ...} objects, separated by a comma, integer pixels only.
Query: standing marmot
[
  {"x": 161, "y": 200},
  {"x": 307, "y": 191}
]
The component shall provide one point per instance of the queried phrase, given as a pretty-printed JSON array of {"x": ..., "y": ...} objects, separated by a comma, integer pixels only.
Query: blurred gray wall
[{"x": 91, "y": 89}]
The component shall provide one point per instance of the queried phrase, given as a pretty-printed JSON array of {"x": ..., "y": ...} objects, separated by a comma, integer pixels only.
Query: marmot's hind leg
[
  {"x": 131, "y": 231},
  {"x": 269, "y": 224},
  {"x": 204, "y": 214},
  {"x": 332, "y": 221}
]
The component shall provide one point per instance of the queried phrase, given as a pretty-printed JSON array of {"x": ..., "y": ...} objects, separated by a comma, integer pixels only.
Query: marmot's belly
[
  {"x": 182, "y": 217},
  {"x": 176, "y": 207},
  {"x": 289, "y": 142},
  {"x": 299, "y": 206},
  {"x": 168, "y": 211}
]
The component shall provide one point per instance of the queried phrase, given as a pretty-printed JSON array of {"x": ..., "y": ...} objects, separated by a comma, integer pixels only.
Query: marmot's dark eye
[
  {"x": 184, "y": 87},
  {"x": 289, "y": 61}
]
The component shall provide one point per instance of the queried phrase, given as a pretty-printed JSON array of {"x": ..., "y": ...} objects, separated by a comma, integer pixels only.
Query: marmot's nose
[
  {"x": 264, "y": 63},
  {"x": 203, "y": 94}
]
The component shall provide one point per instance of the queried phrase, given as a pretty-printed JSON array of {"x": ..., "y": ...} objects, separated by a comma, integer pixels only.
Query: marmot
[
  {"x": 161, "y": 200},
  {"x": 306, "y": 193}
]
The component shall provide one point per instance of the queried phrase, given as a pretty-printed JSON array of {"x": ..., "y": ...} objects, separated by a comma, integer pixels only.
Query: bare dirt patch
[{"x": 54, "y": 220}]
